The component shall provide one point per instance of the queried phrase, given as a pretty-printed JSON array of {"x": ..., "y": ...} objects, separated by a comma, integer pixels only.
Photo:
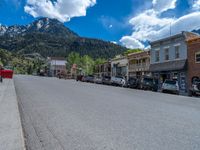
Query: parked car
[
  {"x": 84, "y": 79},
  {"x": 79, "y": 78},
  {"x": 148, "y": 83},
  {"x": 195, "y": 89},
  {"x": 61, "y": 75},
  {"x": 133, "y": 83},
  {"x": 98, "y": 80},
  {"x": 118, "y": 81},
  {"x": 89, "y": 78},
  {"x": 170, "y": 86},
  {"x": 106, "y": 80}
]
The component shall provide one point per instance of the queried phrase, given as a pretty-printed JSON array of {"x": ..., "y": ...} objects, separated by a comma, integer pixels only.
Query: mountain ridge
[{"x": 49, "y": 37}]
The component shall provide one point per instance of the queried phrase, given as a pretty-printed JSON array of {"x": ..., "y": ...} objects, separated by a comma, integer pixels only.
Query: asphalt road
[{"x": 69, "y": 115}]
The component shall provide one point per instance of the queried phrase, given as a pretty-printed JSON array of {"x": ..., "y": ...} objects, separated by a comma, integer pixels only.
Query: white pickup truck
[{"x": 118, "y": 81}]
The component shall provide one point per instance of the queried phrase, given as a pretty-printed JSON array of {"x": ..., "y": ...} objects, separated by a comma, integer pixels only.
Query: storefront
[
  {"x": 119, "y": 66},
  {"x": 174, "y": 70}
]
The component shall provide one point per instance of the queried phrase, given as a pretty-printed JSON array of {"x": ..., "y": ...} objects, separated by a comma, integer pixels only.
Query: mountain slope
[
  {"x": 50, "y": 37},
  {"x": 196, "y": 31}
]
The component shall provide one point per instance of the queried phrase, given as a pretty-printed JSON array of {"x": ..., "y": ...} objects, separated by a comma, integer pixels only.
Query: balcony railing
[{"x": 139, "y": 67}]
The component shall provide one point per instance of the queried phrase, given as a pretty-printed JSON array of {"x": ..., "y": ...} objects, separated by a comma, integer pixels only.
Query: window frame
[
  {"x": 177, "y": 52},
  {"x": 157, "y": 58},
  {"x": 166, "y": 51},
  {"x": 197, "y": 53}
]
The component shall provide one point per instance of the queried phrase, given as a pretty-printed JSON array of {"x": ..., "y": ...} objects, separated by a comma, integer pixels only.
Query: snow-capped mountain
[
  {"x": 3, "y": 30},
  {"x": 43, "y": 25}
]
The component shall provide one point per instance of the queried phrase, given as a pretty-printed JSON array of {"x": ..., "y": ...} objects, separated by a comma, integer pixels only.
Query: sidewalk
[{"x": 11, "y": 136}]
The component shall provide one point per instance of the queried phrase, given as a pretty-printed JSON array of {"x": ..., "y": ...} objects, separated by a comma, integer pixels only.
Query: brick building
[{"x": 193, "y": 59}]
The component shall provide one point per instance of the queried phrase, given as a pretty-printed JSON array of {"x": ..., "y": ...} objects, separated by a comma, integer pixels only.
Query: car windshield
[
  {"x": 197, "y": 80},
  {"x": 119, "y": 77},
  {"x": 107, "y": 77},
  {"x": 148, "y": 80},
  {"x": 170, "y": 82},
  {"x": 132, "y": 79}
]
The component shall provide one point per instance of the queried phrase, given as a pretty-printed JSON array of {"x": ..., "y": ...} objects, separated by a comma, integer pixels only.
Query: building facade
[
  {"x": 119, "y": 66},
  {"x": 104, "y": 69},
  {"x": 193, "y": 59},
  {"x": 169, "y": 59},
  {"x": 56, "y": 65},
  {"x": 138, "y": 64}
]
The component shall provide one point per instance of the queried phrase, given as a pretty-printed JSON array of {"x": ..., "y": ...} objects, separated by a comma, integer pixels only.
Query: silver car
[
  {"x": 170, "y": 86},
  {"x": 118, "y": 81},
  {"x": 98, "y": 80}
]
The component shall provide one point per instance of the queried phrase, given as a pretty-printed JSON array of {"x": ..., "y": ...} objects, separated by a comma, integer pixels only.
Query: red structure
[{"x": 6, "y": 74}]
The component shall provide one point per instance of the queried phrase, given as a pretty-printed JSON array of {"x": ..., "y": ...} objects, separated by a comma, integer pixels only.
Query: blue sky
[{"x": 128, "y": 22}]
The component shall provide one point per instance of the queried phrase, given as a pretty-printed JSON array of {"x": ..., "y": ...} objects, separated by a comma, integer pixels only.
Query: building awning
[{"x": 168, "y": 66}]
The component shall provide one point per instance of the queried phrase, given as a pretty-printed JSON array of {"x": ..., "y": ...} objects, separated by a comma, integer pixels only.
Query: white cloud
[
  {"x": 196, "y": 4},
  {"x": 114, "y": 42},
  {"x": 110, "y": 26},
  {"x": 164, "y": 5},
  {"x": 150, "y": 26},
  {"x": 131, "y": 42},
  {"x": 146, "y": 23},
  {"x": 62, "y": 10},
  {"x": 185, "y": 23}
]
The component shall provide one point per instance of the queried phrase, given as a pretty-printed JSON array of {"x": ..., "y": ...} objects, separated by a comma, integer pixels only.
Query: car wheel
[
  {"x": 194, "y": 94},
  {"x": 190, "y": 93}
]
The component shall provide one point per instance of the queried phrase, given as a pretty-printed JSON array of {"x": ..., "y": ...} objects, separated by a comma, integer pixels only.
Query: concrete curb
[{"x": 11, "y": 132}]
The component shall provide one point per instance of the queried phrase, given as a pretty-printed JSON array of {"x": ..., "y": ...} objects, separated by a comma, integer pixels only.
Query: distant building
[
  {"x": 74, "y": 71},
  {"x": 193, "y": 59},
  {"x": 169, "y": 59},
  {"x": 56, "y": 65},
  {"x": 138, "y": 64},
  {"x": 119, "y": 66},
  {"x": 104, "y": 69}
]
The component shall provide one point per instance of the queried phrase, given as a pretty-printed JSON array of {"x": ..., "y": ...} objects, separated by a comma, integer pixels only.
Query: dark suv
[
  {"x": 106, "y": 80},
  {"x": 133, "y": 83},
  {"x": 195, "y": 89},
  {"x": 148, "y": 83}
]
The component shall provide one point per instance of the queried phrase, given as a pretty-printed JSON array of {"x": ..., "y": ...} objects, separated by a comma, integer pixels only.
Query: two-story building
[
  {"x": 104, "y": 69},
  {"x": 119, "y": 66},
  {"x": 56, "y": 65},
  {"x": 169, "y": 59},
  {"x": 138, "y": 64}
]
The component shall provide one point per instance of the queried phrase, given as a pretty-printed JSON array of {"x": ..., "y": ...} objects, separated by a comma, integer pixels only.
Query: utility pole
[
  {"x": 171, "y": 26},
  {"x": 170, "y": 29}
]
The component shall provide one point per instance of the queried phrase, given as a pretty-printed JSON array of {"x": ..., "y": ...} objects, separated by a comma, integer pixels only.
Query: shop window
[
  {"x": 177, "y": 52},
  {"x": 197, "y": 56},
  {"x": 167, "y": 54},
  {"x": 157, "y": 56},
  {"x": 175, "y": 75}
]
